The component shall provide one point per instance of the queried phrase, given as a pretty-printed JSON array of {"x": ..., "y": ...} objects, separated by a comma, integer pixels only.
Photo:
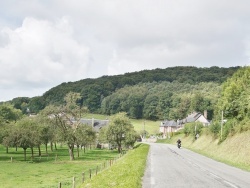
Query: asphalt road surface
[{"x": 168, "y": 166}]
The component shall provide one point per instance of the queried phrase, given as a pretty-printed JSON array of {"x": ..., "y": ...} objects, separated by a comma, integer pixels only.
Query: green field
[{"x": 48, "y": 171}]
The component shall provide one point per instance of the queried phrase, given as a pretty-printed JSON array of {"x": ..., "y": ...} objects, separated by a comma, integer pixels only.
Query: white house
[
  {"x": 167, "y": 127},
  {"x": 196, "y": 117}
]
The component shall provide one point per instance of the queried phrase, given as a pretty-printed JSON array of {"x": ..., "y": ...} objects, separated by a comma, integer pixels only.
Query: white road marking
[
  {"x": 214, "y": 175},
  {"x": 152, "y": 180},
  {"x": 232, "y": 185}
]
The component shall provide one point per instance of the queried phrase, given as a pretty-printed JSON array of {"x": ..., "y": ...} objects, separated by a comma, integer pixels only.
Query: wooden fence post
[
  {"x": 90, "y": 173},
  {"x": 74, "y": 182},
  {"x": 83, "y": 177},
  {"x": 59, "y": 185}
]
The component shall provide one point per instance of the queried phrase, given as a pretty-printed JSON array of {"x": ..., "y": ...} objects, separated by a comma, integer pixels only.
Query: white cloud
[
  {"x": 41, "y": 54},
  {"x": 45, "y": 43}
]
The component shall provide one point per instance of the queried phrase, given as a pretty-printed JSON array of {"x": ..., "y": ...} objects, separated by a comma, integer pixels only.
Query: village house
[
  {"x": 168, "y": 127},
  {"x": 95, "y": 123},
  {"x": 196, "y": 117}
]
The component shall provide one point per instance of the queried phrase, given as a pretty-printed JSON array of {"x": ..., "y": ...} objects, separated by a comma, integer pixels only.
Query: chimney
[{"x": 205, "y": 114}]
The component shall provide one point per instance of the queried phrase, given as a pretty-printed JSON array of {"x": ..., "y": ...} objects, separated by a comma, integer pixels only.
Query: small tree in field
[
  {"x": 25, "y": 134},
  {"x": 85, "y": 134},
  {"x": 120, "y": 130},
  {"x": 66, "y": 119}
]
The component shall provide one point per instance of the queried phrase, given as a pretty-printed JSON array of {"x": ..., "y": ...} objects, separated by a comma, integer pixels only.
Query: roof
[
  {"x": 192, "y": 117},
  {"x": 97, "y": 124},
  {"x": 168, "y": 123}
]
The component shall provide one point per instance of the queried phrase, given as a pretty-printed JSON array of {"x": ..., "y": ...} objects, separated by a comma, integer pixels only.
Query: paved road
[{"x": 168, "y": 166}]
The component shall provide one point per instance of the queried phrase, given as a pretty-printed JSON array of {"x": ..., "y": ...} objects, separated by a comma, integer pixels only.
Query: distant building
[
  {"x": 196, "y": 117},
  {"x": 95, "y": 123},
  {"x": 169, "y": 126}
]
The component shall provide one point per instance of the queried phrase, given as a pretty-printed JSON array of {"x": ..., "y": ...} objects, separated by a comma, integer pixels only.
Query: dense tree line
[
  {"x": 94, "y": 91},
  {"x": 163, "y": 100},
  {"x": 233, "y": 104}
]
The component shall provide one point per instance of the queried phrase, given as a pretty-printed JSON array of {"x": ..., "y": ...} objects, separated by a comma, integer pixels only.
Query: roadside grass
[
  {"x": 234, "y": 151},
  {"x": 125, "y": 173},
  {"x": 48, "y": 170}
]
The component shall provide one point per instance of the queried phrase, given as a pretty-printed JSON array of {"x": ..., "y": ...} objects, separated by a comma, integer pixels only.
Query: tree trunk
[
  {"x": 7, "y": 149},
  {"x": 32, "y": 153},
  {"x": 46, "y": 148},
  {"x": 24, "y": 151},
  {"x": 119, "y": 145},
  {"x": 39, "y": 150},
  {"x": 119, "y": 149},
  {"x": 51, "y": 146},
  {"x": 55, "y": 146},
  {"x": 84, "y": 148},
  {"x": 71, "y": 151},
  {"x": 16, "y": 148},
  {"x": 78, "y": 151}
]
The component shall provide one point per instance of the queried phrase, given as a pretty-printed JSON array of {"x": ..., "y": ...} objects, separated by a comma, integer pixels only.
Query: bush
[
  {"x": 214, "y": 128},
  {"x": 242, "y": 126},
  {"x": 193, "y": 128}
]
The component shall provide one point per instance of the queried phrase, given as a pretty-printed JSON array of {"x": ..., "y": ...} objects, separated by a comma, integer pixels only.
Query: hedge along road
[{"x": 168, "y": 166}]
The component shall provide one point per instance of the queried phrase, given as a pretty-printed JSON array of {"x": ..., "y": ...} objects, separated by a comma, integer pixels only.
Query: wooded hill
[{"x": 169, "y": 93}]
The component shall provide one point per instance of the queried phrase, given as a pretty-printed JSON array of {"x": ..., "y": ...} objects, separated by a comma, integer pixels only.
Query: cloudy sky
[{"x": 46, "y": 42}]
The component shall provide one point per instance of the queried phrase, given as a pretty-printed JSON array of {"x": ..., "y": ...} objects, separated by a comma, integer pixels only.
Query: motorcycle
[{"x": 179, "y": 145}]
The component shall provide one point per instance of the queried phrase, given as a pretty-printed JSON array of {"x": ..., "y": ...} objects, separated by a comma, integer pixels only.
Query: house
[
  {"x": 196, "y": 117},
  {"x": 168, "y": 127},
  {"x": 95, "y": 123}
]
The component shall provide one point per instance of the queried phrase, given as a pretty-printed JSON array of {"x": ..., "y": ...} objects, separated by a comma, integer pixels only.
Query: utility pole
[
  {"x": 144, "y": 130},
  {"x": 221, "y": 125}
]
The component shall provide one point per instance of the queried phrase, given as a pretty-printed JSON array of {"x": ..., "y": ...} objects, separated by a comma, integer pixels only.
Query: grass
[
  {"x": 152, "y": 127},
  {"x": 127, "y": 172},
  {"x": 48, "y": 171},
  {"x": 235, "y": 150}
]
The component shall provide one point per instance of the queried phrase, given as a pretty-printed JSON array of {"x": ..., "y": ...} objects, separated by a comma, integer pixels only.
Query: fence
[{"x": 81, "y": 178}]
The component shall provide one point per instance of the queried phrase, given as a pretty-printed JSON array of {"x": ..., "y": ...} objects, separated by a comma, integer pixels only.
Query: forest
[{"x": 157, "y": 94}]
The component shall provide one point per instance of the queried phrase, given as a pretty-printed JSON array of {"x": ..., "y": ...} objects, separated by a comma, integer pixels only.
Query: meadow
[{"x": 48, "y": 170}]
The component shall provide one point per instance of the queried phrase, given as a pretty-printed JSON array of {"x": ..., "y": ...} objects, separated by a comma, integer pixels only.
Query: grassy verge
[
  {"x": 125, "y": 173},
  {"x": 234, "y": 151},
  {"x": 48, "y": 170}
]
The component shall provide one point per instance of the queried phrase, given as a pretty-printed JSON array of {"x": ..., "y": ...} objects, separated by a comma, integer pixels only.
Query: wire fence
[{"x": 79, "y": 179}]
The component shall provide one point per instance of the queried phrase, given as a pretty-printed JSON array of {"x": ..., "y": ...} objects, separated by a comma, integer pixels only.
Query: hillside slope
[{"x": 234, "y": 150}]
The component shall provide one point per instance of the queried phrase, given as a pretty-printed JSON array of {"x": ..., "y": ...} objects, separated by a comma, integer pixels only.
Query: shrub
[
  {"x": 193, "y": 128},
  {"x": 214, "y": 128}
]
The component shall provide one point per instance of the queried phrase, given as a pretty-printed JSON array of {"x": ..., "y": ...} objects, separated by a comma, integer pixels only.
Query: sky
[{"x": 44, "y": 43}]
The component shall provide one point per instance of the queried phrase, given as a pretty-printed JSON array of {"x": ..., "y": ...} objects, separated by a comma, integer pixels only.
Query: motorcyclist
[{"x": 179, "y": 143}]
